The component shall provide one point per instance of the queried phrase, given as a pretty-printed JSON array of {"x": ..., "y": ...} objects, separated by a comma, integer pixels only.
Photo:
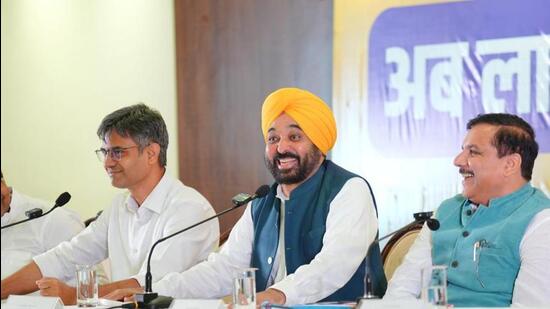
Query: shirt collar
[
  {"x": 280, "y": 194},
  {"x": 155, "y": 200}
]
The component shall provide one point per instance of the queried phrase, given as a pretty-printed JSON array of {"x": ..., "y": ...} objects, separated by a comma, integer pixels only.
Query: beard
[{"x": 305, "y": 168}]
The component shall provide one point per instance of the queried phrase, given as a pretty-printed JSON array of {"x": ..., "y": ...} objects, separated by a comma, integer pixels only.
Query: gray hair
[{"x": 139, "y": 122}]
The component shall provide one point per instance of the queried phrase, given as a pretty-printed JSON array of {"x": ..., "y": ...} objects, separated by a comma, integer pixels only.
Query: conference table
[{"x": 39, "y": 302}]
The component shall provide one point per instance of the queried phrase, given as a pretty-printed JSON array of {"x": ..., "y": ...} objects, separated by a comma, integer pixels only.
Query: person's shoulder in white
[
  {"x": 181, "y": 201},
  {"x": 61, "y": 224},
  {"x": 187, "y": 196}
]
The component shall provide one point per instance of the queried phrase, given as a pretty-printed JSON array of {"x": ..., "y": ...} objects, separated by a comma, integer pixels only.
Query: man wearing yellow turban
[
  {"x": 326, "y": 212},
  {"x": 309, "y": 235}
]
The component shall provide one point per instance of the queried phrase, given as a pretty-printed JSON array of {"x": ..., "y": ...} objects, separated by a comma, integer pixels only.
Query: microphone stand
[
  {"x": 419, "y": 217},
  {"x": 152, "y": 300},
  {"x": 36, "y": 213}
]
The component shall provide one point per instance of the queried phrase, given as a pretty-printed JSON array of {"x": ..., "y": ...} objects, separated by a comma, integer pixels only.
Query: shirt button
[
  {"x": 454, "y": 264},
  {"x": 269, "y": 260},
  {"x": 465, "y": 233},
  {"x": 468, "y": 212}
]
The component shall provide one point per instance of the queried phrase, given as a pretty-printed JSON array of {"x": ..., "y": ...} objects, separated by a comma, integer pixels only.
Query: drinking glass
[
  {"x": 434, "y": 285},
  {"x": 86, "y": 286},
  {"x": 244, "y": 289}
]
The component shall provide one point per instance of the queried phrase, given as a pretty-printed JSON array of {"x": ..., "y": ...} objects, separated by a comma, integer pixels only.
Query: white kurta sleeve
[
  {"x": 406, "y": 280},
  {"x": 88, "y": 247},
  {"x": 213, "y": 278},
  {"x": 532, "y": 286}
]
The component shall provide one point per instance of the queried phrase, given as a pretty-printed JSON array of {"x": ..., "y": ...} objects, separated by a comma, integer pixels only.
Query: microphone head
[
  {"x": 262, "y": 191},
  {"x": 63, "y": 199},
  {"x": 433, "y": 224}
]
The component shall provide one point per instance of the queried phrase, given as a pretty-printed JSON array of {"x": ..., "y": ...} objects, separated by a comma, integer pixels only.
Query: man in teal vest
[
  {"x": 309, "y": 236},
  {"x": 494, "y": 237}
]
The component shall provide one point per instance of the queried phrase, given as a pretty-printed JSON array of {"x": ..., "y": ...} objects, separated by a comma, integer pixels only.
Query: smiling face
[
  {"x": 134, "y": 165},
  {"x": 483, "y": 171},
  {"x": 290, "y": 155}
]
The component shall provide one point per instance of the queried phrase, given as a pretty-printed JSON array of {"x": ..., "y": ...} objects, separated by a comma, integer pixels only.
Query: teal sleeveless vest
[
  {"x": 497, "y": 230},
  {"x": 305, "y": 219}
]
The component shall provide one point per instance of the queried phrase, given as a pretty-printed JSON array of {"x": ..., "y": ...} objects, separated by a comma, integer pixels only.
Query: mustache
[
  {"x": 463, "y": 170},
  {"x": 285, "y": 155}
]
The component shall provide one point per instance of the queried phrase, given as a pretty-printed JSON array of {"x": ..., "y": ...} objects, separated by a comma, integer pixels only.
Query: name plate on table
[
  {"x": 393, "y": 304},
  {"x": 197, "y": 304},
  {"x": 32, "y": 302}
]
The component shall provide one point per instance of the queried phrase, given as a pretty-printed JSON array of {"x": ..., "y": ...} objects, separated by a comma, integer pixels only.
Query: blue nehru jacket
[
  {"x": 496, "y": 232},
  {"x": 305, "y": 220}
]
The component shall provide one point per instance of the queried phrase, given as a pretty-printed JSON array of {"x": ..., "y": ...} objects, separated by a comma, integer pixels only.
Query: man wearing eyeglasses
[
  {"x": 494, "y": 237},
  {"x": 155, "y": 205}
]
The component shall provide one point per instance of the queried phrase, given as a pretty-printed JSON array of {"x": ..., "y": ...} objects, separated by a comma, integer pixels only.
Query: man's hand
[
  {"x": 5, "y": 294},
  {"x": 54, "y": 287},
  {"x": 126, "y": 294},
  {"x": 273, "y": 296}
]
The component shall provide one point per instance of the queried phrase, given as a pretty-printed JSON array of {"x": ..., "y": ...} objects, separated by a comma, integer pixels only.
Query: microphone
[
  {"x": 243, "y": 198},
  {"x": 36, "y": 213},
  {"x": 152, "y": 300},
  {"x": 419, "y": 218}
]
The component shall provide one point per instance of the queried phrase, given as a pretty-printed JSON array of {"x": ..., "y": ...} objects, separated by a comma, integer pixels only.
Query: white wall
[{"x": 65, "y": 65}]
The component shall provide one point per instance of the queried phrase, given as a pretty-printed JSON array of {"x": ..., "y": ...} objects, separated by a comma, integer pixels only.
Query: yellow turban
[{"x": 309, "y": 111}]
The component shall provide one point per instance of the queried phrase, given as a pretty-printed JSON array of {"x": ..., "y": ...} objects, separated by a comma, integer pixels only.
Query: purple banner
[{"x": 434, "y": 67}]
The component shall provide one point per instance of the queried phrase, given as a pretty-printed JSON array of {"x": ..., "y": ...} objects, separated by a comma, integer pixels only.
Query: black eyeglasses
[{"x": 115, "y": 153}]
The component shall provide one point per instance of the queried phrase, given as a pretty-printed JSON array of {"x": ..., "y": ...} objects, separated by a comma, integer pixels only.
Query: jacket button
[
  {"x": 269, "y": 260},
  {"x": 454, "y": 264},
  {"x": 465, "y": 233}
]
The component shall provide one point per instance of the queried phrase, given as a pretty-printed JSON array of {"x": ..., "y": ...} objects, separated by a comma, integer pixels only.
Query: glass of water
[
  {"x": 434, "y": 285},
  {"x": 244, "y": 289},
  {"x": 86, "y": 286}
]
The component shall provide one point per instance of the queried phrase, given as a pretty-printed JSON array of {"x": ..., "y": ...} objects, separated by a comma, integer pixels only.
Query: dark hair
[
  {"x": 143, "y": 124},
  {"x": 514, "y": 135}
]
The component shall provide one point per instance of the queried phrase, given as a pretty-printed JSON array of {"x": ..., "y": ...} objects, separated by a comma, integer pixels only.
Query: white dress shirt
[
  {"x": 351, "y": 225},
  {"x": 125, "y": 233},
  {"x": 532, "y": 285},
  {"x": 20, "y": 243}
]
